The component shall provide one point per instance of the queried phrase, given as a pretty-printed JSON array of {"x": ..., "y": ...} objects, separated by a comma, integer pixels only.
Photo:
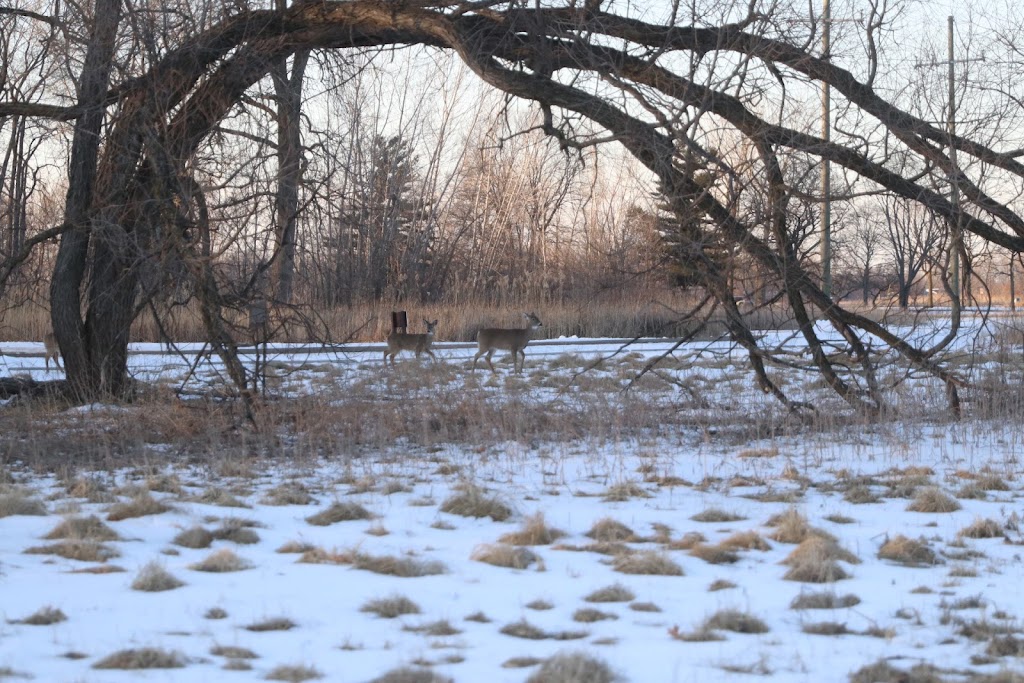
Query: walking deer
[
  {"x": 513, "y": 340},
  {"x": 52, "y": 349},
  {"x": 420, "y": 343}
]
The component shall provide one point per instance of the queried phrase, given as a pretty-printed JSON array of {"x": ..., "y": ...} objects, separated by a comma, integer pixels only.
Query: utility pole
[{"x": 826, "y": 169}]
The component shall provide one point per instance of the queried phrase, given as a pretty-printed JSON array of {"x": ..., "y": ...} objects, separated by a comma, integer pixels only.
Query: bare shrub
[
  {"x": 647, "y": 562},
  {"x": 141, "y": 658},
  {"x": 223, "y": 560},
  {"x": 823, "y": 600},
  {"x": 933, "y": 499},
  {"x": 534, "y": 531},
  {"x": 907, "y": 551},
  {"x": 339, "y": 512},
  {"x": 574, "y": 667},
  {"x": 501, "y": 555},
  {"x": 473, "y": 501},
  {"x": 43, "y": 617},
  {"x": 194, "y": 537},
  {"x": 295, "y": 673},
  {"x": 272, "y": 624},
  {"x": 716, "y": 516},
  {"x": 613, "y": 593},
  {"x": 390, "y": 607},
  {"x": 140, "y": 506},
  {"x": 90, "y": 528},
  {"x": 154, "y": 578},
  {"x": 608, "y": 530},
  {"x": 82, "y": 551}
]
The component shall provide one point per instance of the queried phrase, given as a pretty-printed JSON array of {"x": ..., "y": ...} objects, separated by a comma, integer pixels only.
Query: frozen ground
[{"x": 701, "y": 514}]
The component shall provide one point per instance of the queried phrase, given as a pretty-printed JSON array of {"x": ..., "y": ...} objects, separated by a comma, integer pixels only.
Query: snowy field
[{"x": 722, "y": 547}]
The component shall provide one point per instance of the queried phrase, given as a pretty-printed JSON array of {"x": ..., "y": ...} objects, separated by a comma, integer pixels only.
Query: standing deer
[
  {"x": 420, "y": 343},
  {"x": 514, "y": 340},
  {"x": 52, "y": 349}
]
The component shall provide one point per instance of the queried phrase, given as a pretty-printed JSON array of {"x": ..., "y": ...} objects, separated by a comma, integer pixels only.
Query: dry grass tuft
[
  {"x": 884, "y": 672},
  {"x": 647, "y": 562},
  {"x": 236, "y": 530},
  {"x": 817, "y": 547},
  {"x": 411, "y": 675},
  {"x": 339, "y": 512},
  {"x": 540, "y": 604},
  {"x": 141, "y": 658},
  {"x": 814, "y": 561},
  {"x": 714, "y": 554},
  {"x": 215, "y": 613},
  {"x": 99, "y": 569},
  {"x": 520, "y": 662},
  {"x": 983, "y": 528},
  {"x": 792, "y": 527},
  {"x": 153, "y": 578},
  {"x": 574, "y": 667},
  {"x": 82, "y": 551},
  {"x": 501, "y": 555},
  {"x": 824, "y": 600},
  {"x": 644, "y": 607},
  {"x": 272, "y": 624},
  {"x": 608, "y": 530},
  {"x": 224, "y": 560},
  {"x": 473, "y": 501},
  {"x": 139, "y": 506},
  {"x": 195, "y": 537},
  {"x": 619, "y": 493},
  {"x": 405, "y": 567},
  {"x": 18, "y": 502},
  {"x": 296, "y": 673},
  {"x": 688, "y": 541},
  {"x": 90, "y": 528},
  {"x": 390, "y": 607},
  {"x": 43, "y": 617},
  {"x": 291, "y": 493},
  {"x": 219, "y": 497},
  {"x": 524, "y": 629},
  {"x": 442, "y": 628},
  {"x": 716, "y": 516},
  {"x": 613, "y": 593},
  {"x": 589, "y": 615},
  {"x": 295, "y": 547},
  {"x": 233, "y": 652},
  {"x": 825, "y": 628},
  {"x": 700, "y": 635},
  {"x": 736, "y": 621},
  {"x": 534, "y": 531},
  {"x": 746, "y": 540},
  {"x": 720, "y": 585},
  {"x": 320, "y": 556},
  {"x": 933, "y": 499},
  {"x": 907, "y": 552}
]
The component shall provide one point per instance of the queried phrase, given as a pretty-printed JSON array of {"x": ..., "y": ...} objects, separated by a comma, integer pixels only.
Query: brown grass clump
[
  {"x": 644, "y": 607},
  {"x": 524, "y": 629},
  {"x": 983, "y": 528},
  {"x": 792, "y": 527},
  {"x": 43, "y": 617},
  {"x": 907, "y": 551},
  {"x": 824, "y": 600},
  {"x": 295, "y": 547},
  {"x": 825, "y": 628},
  {"x": 215, "y": 613},
  {"x": 195, "y": 537},
  {"x": 735, "y": 621},
  {"x": 233, "y": 652},
  {"x": 472, "y": 501},
  {"x": 501, "y": 555},
  {"x": 534, "y": 531},
  {"x": 819, "y": 547},
  {"x": 290, "y": 493},
  {"x": 884, "y": 672},
  {"x": 814, "y": 561},
  {"x": 540, "y": 604},
  {"x": 90, "y": 528},
  {"x": 320, "y": 556},
  {"x": 82, "y": 551},
  {"x": 720, "y": 585},
  {"x": 589, "y": 615},
  {"x": 99, "y": 569},
  {"x": 746, "y": 540},
  {"x": 647, "y": 562},
  {"x": 716, "y": 516},
  {"x": 714, "y": 554},
  {"x": 296, "y": 673},
  {"x": 407, "y": 674},
  {"x": 700, "y": 635},
  {"x": 153, "y": 578},
  {"x": 520, "y": 662},
  {"x": 141, "y": 658},
  {"x": 391, "y": 607},
  {"x": 18, "y": 502},
  {"x": 272, "y": 624},
  {"x": 406, "y": 567},
  {"x": 139, "y": 506},
  {"x": 223, "y": 560},
  {"x": 574, "y": 667},
  {"x": 236, "y": 530},
  {"x": 220, "y": 498},
  {"x": 442, "y": 628},
  {"x": 618, "y": 493},
  {"x": 687, "y": 542},
  {"x": 613, "y": 593},
  {"x": 339, "y": 512},
  {"x": 608, "y": 530},
  {"x": 933, "y": 499}
]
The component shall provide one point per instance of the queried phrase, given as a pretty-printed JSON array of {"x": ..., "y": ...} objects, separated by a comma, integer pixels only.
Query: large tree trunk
[{"x": 84, "y": 354}]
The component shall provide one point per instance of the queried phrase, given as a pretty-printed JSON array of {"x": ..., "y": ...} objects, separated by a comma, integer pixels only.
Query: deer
[
  {"x": 514, "y": 340},
  {"x": 52, "y": 349},
  {"x": 420, "y": 343}
]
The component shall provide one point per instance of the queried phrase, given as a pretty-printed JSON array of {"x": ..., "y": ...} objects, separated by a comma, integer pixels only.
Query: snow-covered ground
[{"x": 700, "y": 512}]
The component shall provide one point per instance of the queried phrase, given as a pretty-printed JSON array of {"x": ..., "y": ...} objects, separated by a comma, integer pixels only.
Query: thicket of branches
[{"x": 233, "y": 154}]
